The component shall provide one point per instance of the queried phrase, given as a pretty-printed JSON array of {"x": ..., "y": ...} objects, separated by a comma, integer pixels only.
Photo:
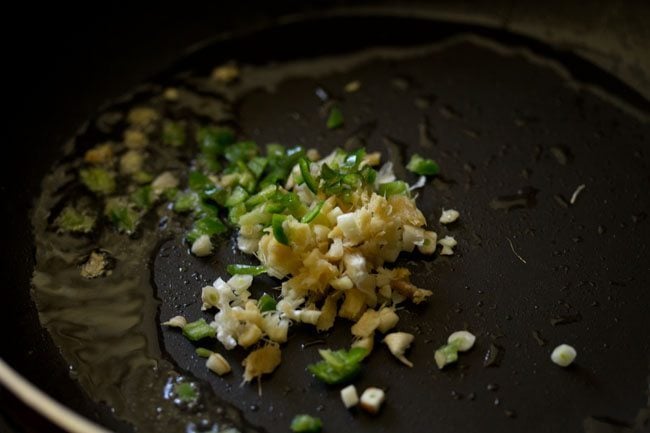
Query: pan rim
[{"x": 59, "y": 414}]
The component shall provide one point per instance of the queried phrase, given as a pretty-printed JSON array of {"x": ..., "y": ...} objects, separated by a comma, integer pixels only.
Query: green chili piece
[
  {"x": 313, "y": 213},
  {"x": 238, "y": 195},
  {"x": 122, "y": 215},
  {"x": 173, "y": 133},
  {"x": 306, "y": 424},
  {"x": 98, "y": 180},
  {"x": 209, "y": 225},
  {"x": 266, "y": 303},
  {"x": 198, "y": 330},
  {"x": 335, "y": 119},
  {"x": 339, "y": 366},
  {"x": 186, "y": 202},
  {"x": 422, "y": 166},
  {"x": 143, "y": 197},
  {"x": 245, "y": 270},
  {"x": 72, "y": 220},
  {"x": 393, "y": 188},
  {"x": 307, "y": 176},
  {"x": 278, "y": 231},
  {"x": 187, "y": 392},
  {"x": 203, "y": 352},
  {"x": 213, "y": 140}
]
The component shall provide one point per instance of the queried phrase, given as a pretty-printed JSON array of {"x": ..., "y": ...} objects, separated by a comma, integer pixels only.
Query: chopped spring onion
[
  {"x": 198, "y": 330},
  {"x": 306, "y": 424},
  {"x": 203, "y": 352},
  {"x": 238, "y": 195},
  {"x": 241, "y": 151},
  {"x": 307, "y": 176},
  {"x": 173, "y": 133},
  {"x": 142, "y": 177},
  {"x": 278, "y": 231},
  {"x": 463, "y": 340},
  {"x": 335, "y": 118},
  {"x": 198, "y": 181},
  {"x": 563, "y": 355},
  {"x": 185, "y": 202},
  {"x": 446, "y": 355},
  {"x": 266, "y": 303},
  {"x": 338, "y": 366},
  {"x": 422, "y": 166},
  {"x": 393, "y": 188},
  {"x": 72, "y": 220},
  {"x": 245, "y": 270},
  {"x": 98, "y": 180}
]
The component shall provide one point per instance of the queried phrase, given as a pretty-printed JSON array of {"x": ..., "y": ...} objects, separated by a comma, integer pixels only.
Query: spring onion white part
[
  {"x": 218, "y": 364},
  {"x": 176, "y": 322},
  {"x": 563, "y": 355},
  {"x": 445, "y": 355},
  {"x": 397, "y": 343},
  {"x": 463, "y": 340},
  {"x": 349, "y": 396},
  {"x": 372, "y": 399},
  {"x": 448, "y": 216}
]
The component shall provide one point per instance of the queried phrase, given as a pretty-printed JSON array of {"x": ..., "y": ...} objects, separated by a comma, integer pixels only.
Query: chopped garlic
[
  {"x": 563, "y": 355},
  {"x": 397, "y": 343},
  {"x": 448, "y": 242},
  {"x": 176, "y": 322},
  {"x": 352, "y": 86},
  {"x": 449, "y": 216},
  {"x": 210, "y": 297},
  {"x": 372, "y": 399},
  {"x": 226, "y": 73},
  {"x": 366, "y": 324},
  {"x": 218, "y": 364},
  {"x": 171, "y": 94},
  {"x": 388, "y": 318},
  {"x": 463, "y": 340},
  {"x": 349, "y": 396},
  {"x": 202, "y": 246},
  {"x": 367, "y": 343},
  {"x": 135, "y": 139}
]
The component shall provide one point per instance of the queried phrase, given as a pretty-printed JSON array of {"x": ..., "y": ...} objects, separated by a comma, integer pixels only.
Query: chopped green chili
[
  {"x": 306, "y": 424},
  {"x": 198, "y": 181},
  {"x": 198, "y": 330},
  {"x": 339, "y": 366},
  {"x": 186, "y": 392},
  {"x": 143, "y": 197},
  {"x": 313, "y": 213},
  {"x": 203, "y": 352},
  {"x": 278, "y": 231},
  {"x": 209, "y": 225},
  {"x": 213, "y": 140},
  {"x": 241, "y": 151},
  {"x": 422, "y": 166},
  {"x": 122, "y": 215},
  {"x": 335, "y": 118},
  {"x": 267, "y": 303},
  {"x": 75, "y": 221},
  {"x": 245, "y": 270},
  {"x": 98, "y": 180},
  {"x": 393, "y": 188},
  {"x": 238, "y": 195},
  {"x": 307, "y": 176}
]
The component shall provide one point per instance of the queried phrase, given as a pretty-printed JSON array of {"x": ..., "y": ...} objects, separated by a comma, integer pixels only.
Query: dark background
[{"x": 120, "y": 45}]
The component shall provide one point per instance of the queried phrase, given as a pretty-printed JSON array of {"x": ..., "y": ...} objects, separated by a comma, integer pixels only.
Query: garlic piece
[{"x": 397, "y": 343}]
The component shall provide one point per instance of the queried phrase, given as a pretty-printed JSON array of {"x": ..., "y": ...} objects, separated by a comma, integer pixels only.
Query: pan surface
[{"x": 516, "y": 127}]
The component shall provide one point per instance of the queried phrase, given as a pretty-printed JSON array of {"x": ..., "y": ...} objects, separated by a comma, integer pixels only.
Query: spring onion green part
[
  {"x": 422, "y": 166},
  {"x": 266, "y": 303},
  {"x": 203, "y": 352},
  {"x": 393, "y": 188},
  {"x": 278, "y": 231},
  {"x": 338, "y": 367},
  {"x": 306, "y": 424},
  {"x": 122, "y": 214},
  {"x": 198, "y": 330},
  {"x": 75, "y": 221},
  {"x": 206, "y": 226},
  {"x": 245, "y": 270},
  {"x": 335, "y": 118},
  {"x": 98, "y": 180},
  {"x": 143, "y": 198}
]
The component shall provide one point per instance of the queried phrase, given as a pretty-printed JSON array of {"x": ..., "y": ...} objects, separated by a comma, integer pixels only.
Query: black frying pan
[{"x": 498, "y": 124}]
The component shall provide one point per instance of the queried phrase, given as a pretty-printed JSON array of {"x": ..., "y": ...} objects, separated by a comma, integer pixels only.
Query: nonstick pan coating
[{"x": 498, "y": 124}]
